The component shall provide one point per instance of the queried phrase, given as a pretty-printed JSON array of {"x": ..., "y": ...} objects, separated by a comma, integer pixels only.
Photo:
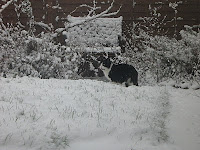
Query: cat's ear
[
  {"x": 105, "y": 55},
  {"x": 108, "y": 62}
]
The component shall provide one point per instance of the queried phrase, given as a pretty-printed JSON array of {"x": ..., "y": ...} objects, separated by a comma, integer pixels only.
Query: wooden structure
[{"x": 174, "y": 14}]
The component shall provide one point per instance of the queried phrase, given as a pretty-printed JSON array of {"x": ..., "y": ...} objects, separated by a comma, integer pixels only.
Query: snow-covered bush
[
  {"x": 178, "y": 59},
  {"x": 161, "y": 57},
  {"x": 24, "y": 55}
]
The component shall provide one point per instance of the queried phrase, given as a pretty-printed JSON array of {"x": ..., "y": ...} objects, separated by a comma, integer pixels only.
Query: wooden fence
[{"x": 174, "y": 17}]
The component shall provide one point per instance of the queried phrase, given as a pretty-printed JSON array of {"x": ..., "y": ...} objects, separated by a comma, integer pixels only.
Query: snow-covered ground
[
  {"x": 95, "y": 115},
  {"x": 184, "y": 125}
]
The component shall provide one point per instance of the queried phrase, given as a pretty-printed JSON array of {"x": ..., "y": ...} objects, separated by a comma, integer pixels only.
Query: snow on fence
[{"x": 99, "y": 35}]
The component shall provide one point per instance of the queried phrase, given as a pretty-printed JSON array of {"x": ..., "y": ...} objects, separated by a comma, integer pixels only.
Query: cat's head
[{"x": 106, "y": 63}]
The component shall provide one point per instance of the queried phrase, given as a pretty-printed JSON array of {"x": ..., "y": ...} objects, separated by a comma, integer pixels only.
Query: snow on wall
[{"x": 97, "y": 35}]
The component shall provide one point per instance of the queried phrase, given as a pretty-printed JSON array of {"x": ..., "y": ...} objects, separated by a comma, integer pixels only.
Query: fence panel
[{"x": 188, "y": 11}]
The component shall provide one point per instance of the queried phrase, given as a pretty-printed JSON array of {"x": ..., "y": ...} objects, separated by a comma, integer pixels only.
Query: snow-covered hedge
[{"x": 96, "y": 33}]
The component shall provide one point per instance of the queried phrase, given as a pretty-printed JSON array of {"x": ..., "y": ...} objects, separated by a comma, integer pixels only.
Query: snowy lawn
[
  {"x": 184, "y": 125},
  {"x": 83, "y": 115}
]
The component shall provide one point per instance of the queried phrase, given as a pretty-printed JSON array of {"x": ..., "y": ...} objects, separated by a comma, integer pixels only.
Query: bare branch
[
  {"x": 3, "y": 7},
  {"x": 43, "y": 25},
  {"x": 92, "y": 9},
  {"x": 88, "y": 18},
  {"x": 113, "y": 13}
]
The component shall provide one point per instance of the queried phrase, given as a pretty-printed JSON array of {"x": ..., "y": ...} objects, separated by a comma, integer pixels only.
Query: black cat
[{"x": 119, "y": 73}]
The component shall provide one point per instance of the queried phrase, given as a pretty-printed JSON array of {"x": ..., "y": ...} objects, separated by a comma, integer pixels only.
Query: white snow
[
  {"x": 95, "y": 115},
  {"x": 101, "y": 32},
  {"x": 94, "y": 49},
  {"x": 185, "y": 118},
  {"x": 43, "y": 25}
]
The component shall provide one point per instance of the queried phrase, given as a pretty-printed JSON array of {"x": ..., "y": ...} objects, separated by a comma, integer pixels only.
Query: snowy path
[{"x": 185, "y": 119}]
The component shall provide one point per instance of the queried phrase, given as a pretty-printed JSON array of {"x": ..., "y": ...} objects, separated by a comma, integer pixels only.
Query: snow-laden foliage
[
  {"x": 160, "y": 57},
  {"x": 25, "y": 55},
  {"x": 155, "y": 57}
]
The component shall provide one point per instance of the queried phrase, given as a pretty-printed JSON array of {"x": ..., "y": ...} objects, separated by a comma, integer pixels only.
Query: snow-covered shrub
[
  {"x": 24, "y": 55},
  {"x": 178, "y": 59},
  {"x": 160, "y": 57}
]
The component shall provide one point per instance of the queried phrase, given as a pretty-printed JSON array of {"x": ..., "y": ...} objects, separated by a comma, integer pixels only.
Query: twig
[{"x": 3, "y": 7}]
